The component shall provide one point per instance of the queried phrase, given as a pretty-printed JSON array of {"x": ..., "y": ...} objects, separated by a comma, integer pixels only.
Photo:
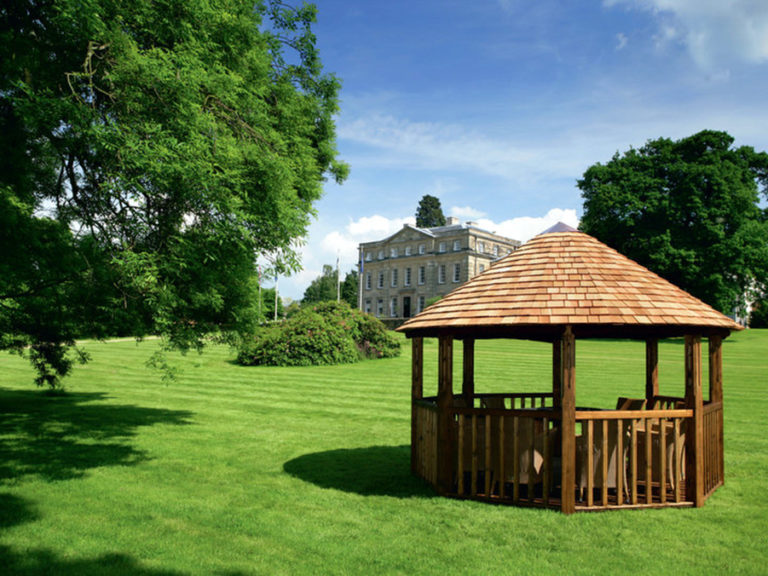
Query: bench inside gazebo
[{"x": 542, "y": 449}]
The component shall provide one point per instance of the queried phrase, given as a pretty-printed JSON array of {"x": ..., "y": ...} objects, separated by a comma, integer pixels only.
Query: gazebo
[{"x": 541, "y": 449}]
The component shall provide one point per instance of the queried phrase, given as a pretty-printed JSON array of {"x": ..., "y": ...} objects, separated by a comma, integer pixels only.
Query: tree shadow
[
  {"x": 42, "y": 561},
  {"x": 61, "y": 437},
  {"x": 370, "y": 471},
  {"x": 15, "y": 510}
]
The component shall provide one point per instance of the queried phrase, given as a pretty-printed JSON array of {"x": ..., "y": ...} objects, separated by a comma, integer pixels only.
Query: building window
[
  {"x": 368, "y": 281},
  {"x": 480, "y": 247},
  {"x": 393, "y": 252},
  {"x": 482, "y": 268},
  {"x": 381, "y": 254},
  {"x": 496, "y": 251},
  {"x": 456, "y": 245},
  {"x": 407, "y": 276},
  {"x": 441, "y": 247},
  {"x": 456, "y": 272},
  {"x": 421, "y": 302},
  {"x": 422, "y": 274},
  {"x": 368, "y": 256},
  {"x": 422, "y": 248},
  {"x": 407, "y": 250},
  {"x": 393, "y": 307},
  {"x": 394, "y": 278},
  {"x": 367, "y": 306},
  {"x": 380, "y": 307},
  {"x": 441, "y": 274},
  {"x": 380, "y": 284}
]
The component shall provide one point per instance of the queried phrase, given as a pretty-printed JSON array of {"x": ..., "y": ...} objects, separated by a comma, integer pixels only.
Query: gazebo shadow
[{"x": 369, "y": 471}]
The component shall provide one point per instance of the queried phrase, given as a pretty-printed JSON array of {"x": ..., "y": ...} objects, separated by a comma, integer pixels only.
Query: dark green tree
[
  {"x": 324, "y": 287},
  {"x": 429, "y": 213},
  {"x": 688, "y": 210},
  {"x": 349, "y": 288},
  {"x": 148, "y": 151}
]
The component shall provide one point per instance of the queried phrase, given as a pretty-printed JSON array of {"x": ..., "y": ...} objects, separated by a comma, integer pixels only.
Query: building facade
[{"x": 401, "y": 274}]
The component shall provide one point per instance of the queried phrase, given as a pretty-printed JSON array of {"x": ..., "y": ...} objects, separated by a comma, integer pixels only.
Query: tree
[
  {"x": 148, "y": 152},
  {"x": 429, "y": 213},
  {"x": 324, "y": 287},
  {"x": 688, "y": 210}
]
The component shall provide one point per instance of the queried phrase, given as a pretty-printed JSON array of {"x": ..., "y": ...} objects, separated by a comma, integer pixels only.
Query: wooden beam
[
  {"x": 557, "y": 373},
  {"x": 468, "y": 375},
  {"x": 651, "y": 370},
  {"x": 694, "y": 434},
  {"x": 716, "y": 394},
  {"x": 445, "y": 415},
  {"x": 417, "y": 392},
  {"x": 568, "y": 423}
]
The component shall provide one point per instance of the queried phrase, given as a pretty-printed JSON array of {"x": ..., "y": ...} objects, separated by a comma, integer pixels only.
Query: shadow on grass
[
  {"x": 15, "y": 510},
  {"x": 370, "y": 471},
  {"x": 60, "y": 437}
]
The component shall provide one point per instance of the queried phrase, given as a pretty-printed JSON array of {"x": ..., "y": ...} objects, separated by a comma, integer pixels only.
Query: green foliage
[
  {"x": 688, "y": 210},
  {"x": 758, "y": 317},
  {"x": 324, "y": 287},
  {"x": 147, "y": 151},
  {"x": 432, "y": 300},
  {"x": 429, "y": 213},
  {"x": 320, "y": 334}
]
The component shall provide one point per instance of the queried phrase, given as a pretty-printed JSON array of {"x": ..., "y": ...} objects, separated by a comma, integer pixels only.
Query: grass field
[{"x": 233, "y": 470}]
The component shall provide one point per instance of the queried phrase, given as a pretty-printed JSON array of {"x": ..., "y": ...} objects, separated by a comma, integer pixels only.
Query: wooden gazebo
[{"x": 540, "y": 449}]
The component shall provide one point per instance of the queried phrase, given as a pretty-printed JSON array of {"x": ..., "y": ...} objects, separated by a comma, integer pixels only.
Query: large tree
[
  {"x": 429, "y": 213},
  {"x": 148, "y": 152},
  {"x": 689, "y": 210},
  {"x": 326, "y": 287}
]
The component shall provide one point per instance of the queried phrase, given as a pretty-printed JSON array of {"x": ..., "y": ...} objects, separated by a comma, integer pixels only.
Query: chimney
[{"x": 451, "y": 221}]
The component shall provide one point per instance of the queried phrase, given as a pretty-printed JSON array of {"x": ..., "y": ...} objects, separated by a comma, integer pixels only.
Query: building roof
[
  {"x": 568, "y": 278},
  {"x": 442, "y": 231}
]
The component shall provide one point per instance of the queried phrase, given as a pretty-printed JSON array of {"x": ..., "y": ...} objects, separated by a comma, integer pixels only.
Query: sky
[{"x": 498, "y": 107}]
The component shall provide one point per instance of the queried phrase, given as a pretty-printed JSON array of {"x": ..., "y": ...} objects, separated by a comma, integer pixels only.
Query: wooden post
[
  {"x": 557, "y": 373},
  {"x": 716, "y": 395},
  {"x": 445, "y": 415},
  {"x": 568, "y": 423},
  {"x": 468, "y": 376},
  {"x": 417, "y": 393},
  {"x": 651, "y": 370},
  {"x": 694, "y": 434}
]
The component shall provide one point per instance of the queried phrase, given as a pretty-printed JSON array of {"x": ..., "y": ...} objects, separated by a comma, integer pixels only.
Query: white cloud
[
  {"x": 526, "y": 227},
  {"x": 376, "y": 226},
  {"x": 717, "y": 33},
  {"x": 465, "y": 212},
  {"x": 621, "y": 41}
]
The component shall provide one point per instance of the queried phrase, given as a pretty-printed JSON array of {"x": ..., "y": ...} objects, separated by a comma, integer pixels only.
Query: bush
[
  {"x": 759, "y": 316},
  {"x": 323, "y": 333}
]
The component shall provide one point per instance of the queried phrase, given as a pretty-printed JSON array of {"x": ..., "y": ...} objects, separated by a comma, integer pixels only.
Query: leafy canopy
[
  {"x": 429, "y": 213},
  {"x": 689, "y": 210},
  {"x": 324, "y": 287},
  {"x": 148, "y": 152}
]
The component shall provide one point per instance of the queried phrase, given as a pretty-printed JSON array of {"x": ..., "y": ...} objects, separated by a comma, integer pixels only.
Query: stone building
[{"x": 401, "y": 273}]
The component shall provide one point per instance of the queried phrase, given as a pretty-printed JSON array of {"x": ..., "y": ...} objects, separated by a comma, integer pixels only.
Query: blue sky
[{"x": 497, "y": 107}]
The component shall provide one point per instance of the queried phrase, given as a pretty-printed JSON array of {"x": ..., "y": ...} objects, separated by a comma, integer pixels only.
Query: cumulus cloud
[
  {"x": 621, "y": 41},
  {"x": 716, "y": 33},
  {"x": 526, "y": 227},
  {"x": 465, "y": 212}
]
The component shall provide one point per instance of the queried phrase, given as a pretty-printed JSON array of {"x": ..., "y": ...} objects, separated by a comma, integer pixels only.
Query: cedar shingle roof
[{"x": 568, "y": 278}]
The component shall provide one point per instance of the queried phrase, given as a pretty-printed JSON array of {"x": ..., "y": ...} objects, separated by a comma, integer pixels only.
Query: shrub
[
  {"x": 322, "y": 333},
  {"x": 759, "y": 316}
]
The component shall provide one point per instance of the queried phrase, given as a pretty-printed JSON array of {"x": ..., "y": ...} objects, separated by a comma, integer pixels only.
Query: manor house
[{"x": 400, "y": 274}]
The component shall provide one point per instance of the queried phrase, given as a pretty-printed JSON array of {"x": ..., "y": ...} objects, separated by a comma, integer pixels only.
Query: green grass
[{"x": 235, "y": 470}]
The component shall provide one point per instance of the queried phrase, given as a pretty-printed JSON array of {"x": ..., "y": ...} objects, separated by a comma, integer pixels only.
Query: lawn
[{"x": 244, "y": 470}]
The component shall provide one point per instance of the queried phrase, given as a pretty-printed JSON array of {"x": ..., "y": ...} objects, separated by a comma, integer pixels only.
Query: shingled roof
[{"x": 564, "y": 278}]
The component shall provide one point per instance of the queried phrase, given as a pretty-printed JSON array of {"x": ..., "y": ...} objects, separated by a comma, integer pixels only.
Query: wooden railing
[
  {"x": 507, "y": 455},
  {"x": 713, "y": 446},
  {"x": 426, "y": 440},
  {"x": 631, "y": 458},
  {"x": 507, "y": 448}
]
